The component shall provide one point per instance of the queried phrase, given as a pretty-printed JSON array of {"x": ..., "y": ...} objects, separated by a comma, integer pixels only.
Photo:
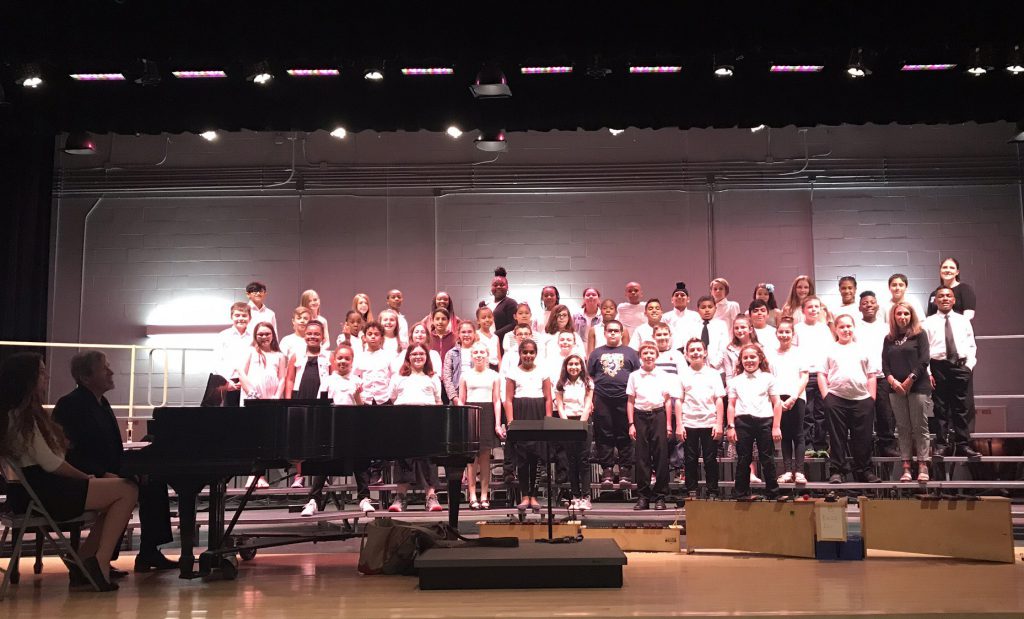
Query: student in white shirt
[
  {"x": 871, "y": 333},
  {"x": 790, "y": 371},
  {"x": 847, "y": 296},
  {"x": 574, "y": 399},
  {"x": 311, "y": 301},
  {"x": 700, "y": 417},
  {"x": 509, "y": 361},
  {"x": 765, "y": 291},
  {"x": 560, "y": 321},
  {"x": 898, "y": 284},
  {"x": 233, "y": 346},
  {"x": 755, "y": 413},
  {"x": 802, "y": 288},
  {"x": 596, "y": 337},
  {"x": 742, "y": 334},
  {"x": 549, "y": 298},
  {"x": 848, "y": 383},
  {"x": 265, "y": 369},
  {"x": 394, "y": 300},
  {"x": 725, "y": 310},
  {"x": 685, "y": 323},
  {"x": 814, "y": 338},
  {"x": 294, "y": 344},
  {"x": 671, "y": 362},
  {"x": 418, "y": 334},
  {"x": 589, "y": 315},
  {"x": 485, "y": 333},
  {"x": 352, "y": 331},
  {"x": 416, "y": 384},
  {"x": 373, "y": 366},
  {"x": 258, "y": 311},
  {"x": 527, "y": 397},
  {"x": 566, "y": 345},
  {"x": 645, "y": 332},
  {"x": 713, "y": 333},
  {"x": 649, "y": 394},
  {"x": 760, "y": 323},
  {"x": 523, "y": 316},
  {"x": 479, "y": 386},
  {"x": 953, "y": 352},
  {"x": 458, "y": 360},
  {"x": 631, "y": 312},
  {"x": 388, "y": 320}
]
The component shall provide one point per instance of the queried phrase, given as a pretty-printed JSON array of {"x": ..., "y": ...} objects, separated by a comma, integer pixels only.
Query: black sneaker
[
  {"x": 641, "y": 504},
  {"x": 660, "y": 504},
  {"x": 964, "y": 450},
  {"x": 625, "y": 483},
  {"x": 871, "y": 478},
  {"x": 835, "y": 478}
]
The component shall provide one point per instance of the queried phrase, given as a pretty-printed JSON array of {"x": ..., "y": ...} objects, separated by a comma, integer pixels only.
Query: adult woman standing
[
  {"x": 949, "y": 277},
  {"x": 30, "y": 437},
  {"x": 905, "y": 357}
]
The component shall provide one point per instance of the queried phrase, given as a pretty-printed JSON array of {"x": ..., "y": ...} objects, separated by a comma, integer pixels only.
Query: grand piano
[{"x": 195, "y": 447}]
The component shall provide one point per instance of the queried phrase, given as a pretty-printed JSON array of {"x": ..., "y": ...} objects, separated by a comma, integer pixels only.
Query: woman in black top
[
  {"x": 905, "y": 357},
  {"x": 949, "y": 277}
]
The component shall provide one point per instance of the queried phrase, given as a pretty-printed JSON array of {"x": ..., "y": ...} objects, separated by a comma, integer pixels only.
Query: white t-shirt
[
  {"x": 700, "y": 394},
  {"x": 292, "y": 345},
  {"x": 786, "y": 367},
  {"x": 671, "y": 362},
  {"x": 847, "y": 368},
  {"x": 233, "y": 349},
  {"x": 630, "y": 315},
  {"x": 416, "y": 389},
  {"x": 342, "y": 389},
  {"x": 256, "y": 316},
  {"x": 529, "y": 384},
  {"x": 814, "y": 340},
  {"x": 643, "y": 333},
  {"x": 766, "y": 338},
  {"x": 685, "y": 325},
  {"x": 493, "y": 345},
  {"x": 551, "y": 349},
  {"x": 649, "y": 389},
  {"x": 871, "y": 336},
  {"x": 574, "y": 397},
  {"x": 479, "y": 385},
  {"x": 727, "y": 311},
  {"x": 435, "y": 363},
  {"x": 374, "y": 370},
  {"x": 752, "y": 393}
]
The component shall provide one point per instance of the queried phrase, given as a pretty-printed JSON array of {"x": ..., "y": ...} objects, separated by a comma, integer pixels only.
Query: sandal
[
  {"x": 485, "y": 504},
  {"x": 923, "y": 476},
  {"x": 474, "y": 504},
  {"x": 906, "y": 476}
]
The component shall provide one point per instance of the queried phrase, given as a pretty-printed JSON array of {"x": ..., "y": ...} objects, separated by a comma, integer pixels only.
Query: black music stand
[{"x": 548, "y": 430}]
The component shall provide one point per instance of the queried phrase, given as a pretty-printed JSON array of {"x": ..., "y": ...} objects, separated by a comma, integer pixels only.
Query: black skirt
[
  {"x": 528, "y": 409},
  {"x": 63, "y": 497},
  {"x": 488, "y": 439}
]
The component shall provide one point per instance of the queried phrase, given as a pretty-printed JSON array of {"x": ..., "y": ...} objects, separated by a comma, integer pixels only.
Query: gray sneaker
[
  {"x": 398, "y": 505},
  {"x": 433, "y": 505}
]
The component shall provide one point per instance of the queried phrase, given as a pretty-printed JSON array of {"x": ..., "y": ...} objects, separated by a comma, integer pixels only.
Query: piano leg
[
  {"x": 454, "y": 474},
  {"x": 213, "y": 564},
  {"x": 187, "y": 494}
]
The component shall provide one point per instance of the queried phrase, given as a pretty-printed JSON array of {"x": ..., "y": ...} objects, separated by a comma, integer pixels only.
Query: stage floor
[{"x": 320, "y": 581}]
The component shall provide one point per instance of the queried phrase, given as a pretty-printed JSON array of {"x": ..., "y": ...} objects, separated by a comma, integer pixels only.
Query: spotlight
[
  {"x": 79, "y": 143},
  {"x": 492, "y": 141},
  {"x": 339, "y": 132},
  {"x": 615, "y": 131},
  {"x": 209, "y": 136},
  {"x": 977, "y": 68},
  {"x": 150, "y": 74},
  {"x": 374, "y": 75},
  {"x": 491, "y": 84},
  {"x": 31, "y": 77},
  {"x": 856, "y": 67},
  {"x": 757, "y": 128},
  {"x": 454, "y": 132},
  {"x": 260, "y": 73},
  {"x": 1015, "y": 64},
  {"x": 724, "y": 70}
]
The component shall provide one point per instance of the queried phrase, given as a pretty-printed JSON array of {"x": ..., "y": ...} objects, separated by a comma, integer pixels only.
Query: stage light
[
  {"x": 545, "y": 70},
  {"x": 417, "y": 71},
  {"x": 200, "y": 75},
  {"x": 79, "y": 143},
  {"x": 492, "y": 141},
  {"x": 339, "y": 132},
  {"x": 856, "y": 67},
  {"x": 724, "y": 70},
  {"x": 30, "y": 77},
  {"x": 615, "y": 131},
  {"x": 313, "y": 72},
  {"x": 98, "y": 77},
  {"x": 260, "y": 73},
  {"x": 655, "y": 69},
  {"x": 977, "y": 68},
  {"x": 757, "y": 128},
  {"x": 209, "y": 136},
  {"x": 927, "y": 67},
  {"x": 374, "y": 75},
  {"x": 1015, "y": 63},
  {"x": 490, "y": 84},
  {"x": 796, "y": 68},
  {"x": 454, "y": 132}
]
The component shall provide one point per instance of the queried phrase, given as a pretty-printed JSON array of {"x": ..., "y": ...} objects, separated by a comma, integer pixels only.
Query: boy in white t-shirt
[
  {"x": 649, "y": 394},
  {"x": 257, "y": 293},
  {"x": 233, "y": 347},
  {"x": 294, "y": 344},
  {"x": 631, "y": 312},
  {"x": 700, "y": 417}
]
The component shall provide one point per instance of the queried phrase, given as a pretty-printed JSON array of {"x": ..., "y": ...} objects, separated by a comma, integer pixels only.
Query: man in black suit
[{"x": 95, "y": 448}]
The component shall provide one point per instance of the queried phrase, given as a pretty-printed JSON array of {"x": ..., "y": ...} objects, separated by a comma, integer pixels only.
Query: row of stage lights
[{"x": 262, "y": 74}]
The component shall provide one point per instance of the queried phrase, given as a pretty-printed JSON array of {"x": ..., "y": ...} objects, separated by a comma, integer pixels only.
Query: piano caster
[
  {"x": 247, "y": 554},
  {"x": 218, "y": 567}
]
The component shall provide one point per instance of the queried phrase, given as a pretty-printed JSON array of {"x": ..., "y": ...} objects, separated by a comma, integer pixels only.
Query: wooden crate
[
  {"x": 766, "y": 527},
  {"x": 527, "y": 531},
  {"x": 640, "y": 539},
  {"x": 980, "y": 529}
]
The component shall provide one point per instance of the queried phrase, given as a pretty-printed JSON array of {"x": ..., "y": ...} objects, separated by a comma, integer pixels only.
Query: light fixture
[
  {"x": 454, "y": 132},
  {"x": 339, "y": 132},
  {"x": 724, "y": 70},
  {"x": 313, "y": 72},
  {"x": 757, "y": 128},
  {"x": 209, "y": 136},
  {"x": 655, "y": 68},
  {"x": 492, "y": 141},
  {"x": 79, "y": 143},
  {"x": 796, "y": 68},
  {"x": 150, "y": 73},
  {"x": 927, "y": 67},
  {"x": 98, "y": 77},
  {"x": 1015, "y": 63},
  {"x": 260, "y": 73},
  {"x": 417, "y": 71},
  {"x": 374, "y": 75},
  {"x": 203, "y": 74},
  {"x": 491, "y": 84},
  {"x": 977, "y": 68},
  {"x": 31, "y": 77},
  {"x": 615, "y": 131},
  {"x": 856, "y": 68},
  {"x": 545, "y": 70}
]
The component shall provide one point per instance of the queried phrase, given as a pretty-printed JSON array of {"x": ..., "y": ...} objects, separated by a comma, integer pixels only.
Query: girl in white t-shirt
[
  {"x": 814, "y": 338},
  {"x": 458, "y": 360},
  {"x": 311, "y": 301},
  {"x": 791, "y": 376},
  {"x": 485, "y": 333},
  {"x": 352, "y": 331},
  {"x": 595, "y": 336},
  {"x": 388, "y": 320},
  {"x": 560, "y": 321},
  {"x": 527, "y": 397},
  {"x": 264, "y": 371},
  {"x": 479, "y": 386},
  {"x": 418, "y": 334},
  {"x": 574, "y": 399},
  {"x": 754, "y": 416},
  {"x": 417, "y": 384}
]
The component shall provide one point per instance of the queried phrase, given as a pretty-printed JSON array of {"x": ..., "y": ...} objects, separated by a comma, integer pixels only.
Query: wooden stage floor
[{"x": 323, "y": 582}]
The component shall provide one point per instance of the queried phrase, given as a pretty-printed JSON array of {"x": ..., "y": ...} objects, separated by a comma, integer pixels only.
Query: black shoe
[
  {"x": 889, "y": 452},
  {"x": 641, "y": 504},
  {"x": 871, "y": 478},
  {"x": 743, "y": 498},
  {"x": 835, "y": 478},
  {"x": 145, "y": 562},
  {"x": 660, "y": 504},
  {"x": 971, "y": 454},
  {"x": 116, "y": 573},
  {"x": 607, "y": 479},
  {"x": 76, "y": 579},
  {"x": 92, "y": 567},
  {"x": 625, "y": 483}
]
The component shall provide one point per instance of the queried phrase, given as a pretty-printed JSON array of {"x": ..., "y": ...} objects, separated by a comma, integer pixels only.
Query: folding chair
[{"x": 39, "y": 520}]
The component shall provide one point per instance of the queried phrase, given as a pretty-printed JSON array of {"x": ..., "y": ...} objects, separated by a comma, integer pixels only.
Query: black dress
[{"x": 63, "y": 497}]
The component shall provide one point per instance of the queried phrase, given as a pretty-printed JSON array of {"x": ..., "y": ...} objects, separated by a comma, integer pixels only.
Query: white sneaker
[
  {"x": 585, "y": 503},
  {"x": 366, "y": 506},
  {"x": 262, "y": 483},
  {"x": 297, "y": 482},
  {"x": 574, "y": 505},
  {"x": 785, "y": 478},
  {"x": 800, "y": 478},
  {"x": 754, "y": 479},
  {"x": 309, "y": 509}
]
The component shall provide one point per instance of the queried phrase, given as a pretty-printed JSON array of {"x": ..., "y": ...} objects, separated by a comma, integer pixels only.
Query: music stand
[{"x": 548, "y": 430}]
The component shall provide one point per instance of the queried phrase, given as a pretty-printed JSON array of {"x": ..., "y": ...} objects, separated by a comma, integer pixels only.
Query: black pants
[
  {"x": 651, "y": 452},
  {"x": 699, "y": 444},
  {"x": 751, "y": 430},
  {"x": 792, "y": 426},
  {"x": 885, "y": 420},
  {"x": 577, "y": 463},
  {"x": 154, "y": 515},
  {"x": 849, "y": 427},
  {"x": 815, "y": 428},
  {"x": 953, "y": 416},
  {"x": 611, "y": 434},
  {"x": 676, "y": 449}
]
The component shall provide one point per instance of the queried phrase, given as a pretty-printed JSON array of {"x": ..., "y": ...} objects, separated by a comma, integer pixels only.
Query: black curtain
[{"x": 26, "y": 178}]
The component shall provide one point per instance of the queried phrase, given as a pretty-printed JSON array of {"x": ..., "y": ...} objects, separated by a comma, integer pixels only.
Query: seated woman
[{"x": 30, "y": 438}]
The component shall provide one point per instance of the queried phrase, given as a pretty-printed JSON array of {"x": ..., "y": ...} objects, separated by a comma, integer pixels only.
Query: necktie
[
  {"x": 704, "y": 337},
  {"x": 951, "y": 353}
]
